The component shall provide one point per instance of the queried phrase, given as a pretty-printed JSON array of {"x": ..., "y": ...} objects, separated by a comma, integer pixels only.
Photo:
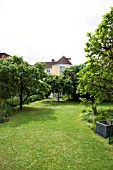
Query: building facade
[{"x": 57, "y": 67}]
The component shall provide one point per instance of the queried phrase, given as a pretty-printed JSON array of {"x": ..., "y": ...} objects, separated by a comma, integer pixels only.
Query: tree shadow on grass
[
  {"x": 59, "y": 103},
  {"x": 32, "y": 114}
]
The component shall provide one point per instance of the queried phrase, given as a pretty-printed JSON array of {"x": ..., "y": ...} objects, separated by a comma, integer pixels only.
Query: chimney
[
  {"x": 69, "y": 59},
  {"x": 53, "y": 60}
]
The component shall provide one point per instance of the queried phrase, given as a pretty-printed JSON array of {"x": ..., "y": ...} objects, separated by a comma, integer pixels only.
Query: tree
[
  {"x": 70, "y": 78},
  {"x": 96, "y": 78},
  {"x": 21, "y": 79},
  {"x": 55, "y": 83},
  {"x": 87, "y": 87}
]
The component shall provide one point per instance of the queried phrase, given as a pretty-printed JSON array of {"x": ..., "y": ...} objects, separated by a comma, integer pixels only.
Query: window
[
  {"x": 48, "y": 70},
  {"x": 61, "y": 68}
]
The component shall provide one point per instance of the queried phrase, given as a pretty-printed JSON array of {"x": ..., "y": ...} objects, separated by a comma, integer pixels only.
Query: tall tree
[
  {"x": 21, "y": 79},
  {"x": 96, "y": 78},
  {"x": 70, "y": 78}
]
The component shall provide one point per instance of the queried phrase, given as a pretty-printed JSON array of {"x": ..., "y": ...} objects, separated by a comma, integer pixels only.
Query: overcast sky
[{"x": 41, "y": 30}]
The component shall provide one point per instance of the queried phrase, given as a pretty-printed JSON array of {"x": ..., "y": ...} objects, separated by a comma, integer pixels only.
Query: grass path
[{"x": 52, "y": 137}]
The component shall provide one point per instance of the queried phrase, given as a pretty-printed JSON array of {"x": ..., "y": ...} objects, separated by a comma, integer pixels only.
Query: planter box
[{"x": 104, "y": 128}]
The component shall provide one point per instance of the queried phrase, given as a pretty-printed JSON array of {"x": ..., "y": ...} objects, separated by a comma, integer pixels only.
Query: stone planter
[{"x": 104, "y": 128}]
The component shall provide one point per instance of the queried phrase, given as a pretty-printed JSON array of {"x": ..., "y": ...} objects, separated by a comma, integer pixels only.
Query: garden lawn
[{"x": 51, "y": 136}]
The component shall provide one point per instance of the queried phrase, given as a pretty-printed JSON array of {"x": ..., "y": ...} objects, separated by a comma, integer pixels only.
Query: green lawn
[{"x": 45, "y": 136}]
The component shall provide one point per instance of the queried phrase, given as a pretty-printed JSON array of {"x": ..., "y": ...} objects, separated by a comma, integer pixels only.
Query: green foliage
[
  {"x": 34, "y": 98},
  {"x": 103, "y": 112},
  {"x": 56, "y": 84},
  {"x": 110, "y": 111},
  {"x": 102, "y": 115},
  {"x": 22, "y": 80},
  {"x": 66, "y": 83},
  {"x": 95, "y": 79},
  {"x": 70, "y": 79},
  {"x": 66, "y": 97},
  {"x": 5, "y": 112},
  {"x": 13, "y": 101},
  {"x": 93, "y": 127},
  {"x": 99, "y": 117},
  {"x": 91, "y": 119},
  {"x": 91, "y": 103},
  {"x": 87, "y": 116},
  {"x": 84, "y": 111}
]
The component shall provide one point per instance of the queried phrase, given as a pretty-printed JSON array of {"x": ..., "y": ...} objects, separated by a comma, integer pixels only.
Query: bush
[
  {"x": 85, "y": 116},
  {"x": 98, "y": 118},
  {"x": 103, "y": 112},
  {"x": 5, "y": 111},
  {"x": 66, "y": 97},
  {"x": 93, "y": 127},
  {"x": 102, "y": 115},
  {"x": 13, "y": 101},
  {"x": 2, "y": 117},
  {"x": 34, "y": 98},
  {"x": 84, "y": 111},
  {"x": 110, "y": 111},
  {"x": 90, "y": 119}
]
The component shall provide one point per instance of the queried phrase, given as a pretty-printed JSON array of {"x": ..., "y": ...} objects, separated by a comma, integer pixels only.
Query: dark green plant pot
[{"x": 104, "y": 128}]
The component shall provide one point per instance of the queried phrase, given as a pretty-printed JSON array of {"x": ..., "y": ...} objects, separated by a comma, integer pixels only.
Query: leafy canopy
[
  {"x": 18, "y": 78},
  {"x": 96, "y": 78},
  {"x": 70, "y": 78}
]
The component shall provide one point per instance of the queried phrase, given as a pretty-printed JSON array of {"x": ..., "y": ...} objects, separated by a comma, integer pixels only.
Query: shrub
[
  {"x": 5, "y": 111},
  {"x": 2, "y": 117},
  {"x": 13, "y": 101},
  {"x": 102, "y": 115},
  {"x": 84, "y": 111},
  {"x": 85, "y": 116},
  {"x": 110, "y": 111},
  {"x": 34, "y": 98},
  {"x": 98, "y": 118},
  {"x": 90, "y": 119},
  {"x": 93, "y": 127},
  {"x": 103, "y": 112},
  {"x": 66, "y": 97}
]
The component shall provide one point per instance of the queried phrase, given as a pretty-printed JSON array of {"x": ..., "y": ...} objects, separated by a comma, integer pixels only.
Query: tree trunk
[
  {"x": 94, "y": 110},
  {"x": 21, "y": 92},
  {"x": 58, "y": 97},
  {"x": 20, "y": 101}
]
